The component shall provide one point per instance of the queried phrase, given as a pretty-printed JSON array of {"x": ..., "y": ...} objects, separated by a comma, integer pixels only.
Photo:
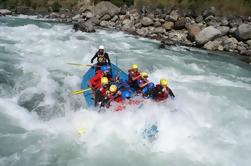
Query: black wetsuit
[{"x": 102, "y": 59}]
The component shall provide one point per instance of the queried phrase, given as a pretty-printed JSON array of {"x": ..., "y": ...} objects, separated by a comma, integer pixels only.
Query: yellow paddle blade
[
  {"x": 77, "y": 92},
  {"x": 81, "y": 130}
]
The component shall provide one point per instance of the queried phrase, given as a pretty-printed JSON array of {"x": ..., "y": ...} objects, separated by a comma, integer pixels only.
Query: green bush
[{"x": 56, "y": 6}]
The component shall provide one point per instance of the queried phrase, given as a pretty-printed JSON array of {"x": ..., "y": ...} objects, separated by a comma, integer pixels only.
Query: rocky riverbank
[{"x": 170, "y": 26}]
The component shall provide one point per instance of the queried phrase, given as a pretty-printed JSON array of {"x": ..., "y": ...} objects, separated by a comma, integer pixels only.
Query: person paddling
[
  {"x": 162, "y": 91},
  {"x": 133, "y": 76},
  {"x": 95, "y": 82},
  {"x": 100, "y": 93},
  {"x": 102, "y": 58}
]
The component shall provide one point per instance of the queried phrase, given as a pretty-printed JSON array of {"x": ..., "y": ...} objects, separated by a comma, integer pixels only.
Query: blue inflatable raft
[{"x": 88, "y": 95}]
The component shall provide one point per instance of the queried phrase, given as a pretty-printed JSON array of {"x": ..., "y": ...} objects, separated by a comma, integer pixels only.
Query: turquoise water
[{"x": 207, "y": 125}]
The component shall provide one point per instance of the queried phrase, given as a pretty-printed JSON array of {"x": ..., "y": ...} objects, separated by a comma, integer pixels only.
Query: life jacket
[
  {"x": 132, "y": 73},
  {"x": 141, "y": 81},
  {"x": 95, "y": 82},
  {"x": 162, "y": 93},
  {"x": 101, "y": 58}
]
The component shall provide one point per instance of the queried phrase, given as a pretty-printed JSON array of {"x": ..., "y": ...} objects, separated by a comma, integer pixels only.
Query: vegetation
[
  {"x": 56, "y": 6},
  {"x": 225, "y": 7}
]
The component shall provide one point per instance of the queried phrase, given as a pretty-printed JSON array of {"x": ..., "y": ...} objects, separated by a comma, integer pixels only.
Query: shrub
[{"x": 56, "y": 6}]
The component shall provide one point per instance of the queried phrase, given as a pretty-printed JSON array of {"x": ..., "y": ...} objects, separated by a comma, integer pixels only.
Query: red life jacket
[
  {"x": 132, "y": 73},
  {"x": 162, "y": 93},
  {"x": 95, "y": 82}
]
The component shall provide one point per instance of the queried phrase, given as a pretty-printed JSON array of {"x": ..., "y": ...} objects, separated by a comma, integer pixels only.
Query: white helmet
[{"x": 101, "y": 47}]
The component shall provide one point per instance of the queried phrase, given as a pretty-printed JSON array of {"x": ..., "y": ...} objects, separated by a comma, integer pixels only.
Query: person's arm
[
  {"x": 108, "y": 59},
  {"x": 135, "y": 78},
  {"x": 171, "y": 93},
  {"x": 95, "y": 56}
]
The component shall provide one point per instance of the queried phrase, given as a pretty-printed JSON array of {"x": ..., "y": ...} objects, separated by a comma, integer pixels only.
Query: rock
[
  {"x": 76, "y": 17},
  {"x": 115, "y": 18},
  {"x": 235, "y": 22},
  {"x": 54, "y": 15},
  {"x": 193, "y": 30},
  {"x": 249, "y": 44},
  {"x": 242, "y": 50},
  {"x": 180, "y": 23},
  {"x": 207, "y": 34},
  {"x": 168, "y": 25},
  {"x": 230, "y": 44},
  {"x": 104, "y": 23},
  {"x": 174, "y": 15},
  {"x": 157, "y": 24},
  {"x": 128, "y": 28},
  {"x": 22, "y": 10},
  {"x": 84, "y": 26},
  {"x": 179, "y": 36},
  {"x": 106, "y": 17},
  {"x": 142, "y": 32},
  {"x": 233, "y": 30},
  {"x": 88, "y": 14},
  {"x": 5, "y": 12},
  {"x": 159, "y": 30},
  {"x": 224, "y": 21},
  {"x": 224, "y": 30},
  {"x": 208, "y": 12},
  {"x": 146, "y": 21},
  {"x": 105, "y": 7},
  {"x": 126, "y": 21},
  {"x": 161, "y": 20},
  {"x": 212, "y": 45},
  {"x": 138, "y": 25},
  {"x": 94, "y": 20},
  {"x": 244, "y": 32},
  {"x": 199, "y": 19}
]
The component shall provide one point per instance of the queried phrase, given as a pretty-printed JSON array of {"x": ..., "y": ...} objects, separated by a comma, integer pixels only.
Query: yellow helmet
[
  {"x": 163, "y": 82},
  {"x": 134, "y": 66},
  {"x": 104, "y": 80},
  {"x": 143, "y": 74},
  {"x": 113, "y": 88}
]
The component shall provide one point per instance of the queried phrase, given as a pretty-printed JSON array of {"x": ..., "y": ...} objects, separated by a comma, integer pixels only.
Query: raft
[{"x": 89, "y": 95}]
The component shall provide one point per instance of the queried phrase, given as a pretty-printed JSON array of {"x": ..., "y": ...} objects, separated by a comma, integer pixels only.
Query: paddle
[
  {"x": 77, "y": 92},
  {"x": 77, "y": 64}
]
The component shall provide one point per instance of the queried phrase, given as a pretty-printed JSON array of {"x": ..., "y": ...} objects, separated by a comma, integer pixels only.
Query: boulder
[
  {"x": 106, "y": 17},
  {"x": 249, "y": 44},
  {"x": 199, "y": 19},
  {"x": 105, "y": 7},
  {"x": 208, "y": 12},
  {"x": 128, "y": 28},
  {"x": 84, "y": 26},
  {"x": 168, "y": 25},
  {"x": 115, "y": 18},
  {"x": 224, "y": 30},
  {"x": 180, "y": 23},
  {"x": 244, "y": 32},
  {"x": 142, "y": 32},
  {"x": 104, "y": 24},
  {"x": 224, "y": 21},
  {"x": 213, "y": 45},
  {"x": 157, "y": 24},
  {"x": 5, "y": 12},
  {"x": 88, "y": 14},
  {"x": 207, "y": 34},
  {"x": 159, "y": 30},
  {"x": 146, "y": 21},
  {"x": 235, "y": 22},
  {"x": 76, "y": 17},
  {"x": 193, "y": 30},
  {"x": 174, "y": 15},
  {"x": 230, "y": 44},
  {"x": 138, "y": 25}
]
